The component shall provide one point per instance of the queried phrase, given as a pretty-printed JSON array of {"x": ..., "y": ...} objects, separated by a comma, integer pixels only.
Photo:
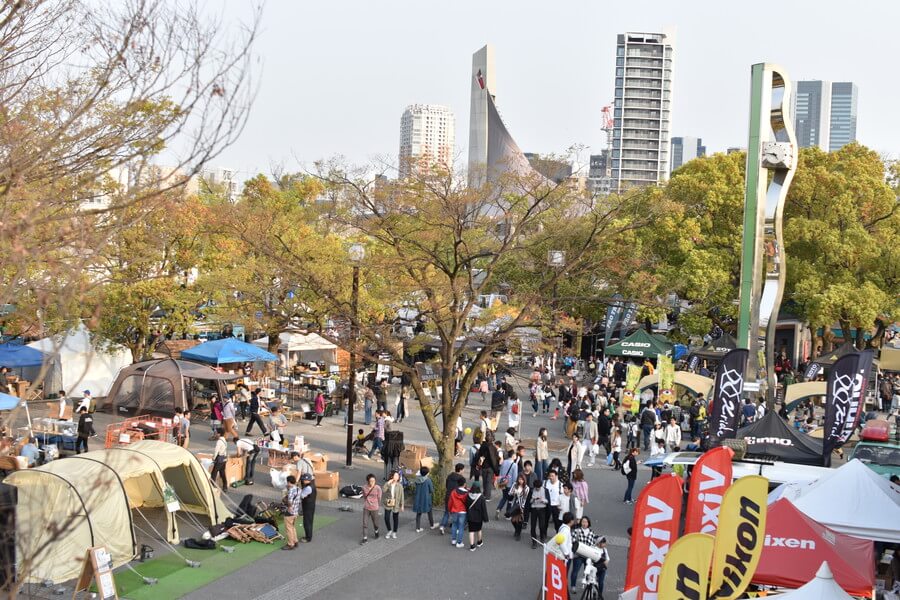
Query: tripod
[{"x": 591, "y": 588}]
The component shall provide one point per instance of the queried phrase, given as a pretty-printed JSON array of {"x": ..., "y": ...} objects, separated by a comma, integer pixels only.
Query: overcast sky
[{"x": 337, "y": 74}]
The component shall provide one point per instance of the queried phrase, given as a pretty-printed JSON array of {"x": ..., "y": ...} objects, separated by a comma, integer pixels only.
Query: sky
[{"x": 336, "y": 75}]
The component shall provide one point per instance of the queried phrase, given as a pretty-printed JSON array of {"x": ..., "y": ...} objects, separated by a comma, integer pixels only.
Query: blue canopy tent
[
  {"x": 227, "y": 350},
  {"x": 8, "y": 402},
  {"x": 16, "y": 356}
]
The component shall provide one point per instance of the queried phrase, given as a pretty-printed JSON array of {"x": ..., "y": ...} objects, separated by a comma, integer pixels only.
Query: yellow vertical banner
[
  {"x": 629, "y": 394},
  {"x": 685, "y": 571},
  {"x": 740, "y": 537},
  {"x": 666, "y": 371}
]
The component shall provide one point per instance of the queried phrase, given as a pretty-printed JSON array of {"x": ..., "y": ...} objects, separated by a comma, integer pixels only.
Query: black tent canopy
[
  {"x": 771, "y": 436},
  {"x": 828, "y": 358},
  {"x": 716, "y": 349}
]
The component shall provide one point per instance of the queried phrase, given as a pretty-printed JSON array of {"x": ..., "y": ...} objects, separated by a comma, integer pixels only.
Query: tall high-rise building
[
  {"x": 642, "y": 110},
  {"x": 427, "y": 136},
  {"x": 843, "y": 114},
  {"x": 825, "y": 114},
  {"x": 685, "y": 149},
  {"x": 812, "y": 113}
]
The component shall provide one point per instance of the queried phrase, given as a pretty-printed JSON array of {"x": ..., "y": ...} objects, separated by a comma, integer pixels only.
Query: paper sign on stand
[{"x": 98, "y": 568}]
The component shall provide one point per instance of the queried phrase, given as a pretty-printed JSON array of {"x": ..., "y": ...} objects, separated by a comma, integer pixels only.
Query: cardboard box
[
  {"x": 419, "y": 451},
  {"x": 327, "y": 493},
  {"x": 327, "y": 479},
  {"x": 319, "y": 461},
  {"x": 427, "y": 462},
  {"x": 234, "y": 469},
  {"x": 409, "y": 459}
]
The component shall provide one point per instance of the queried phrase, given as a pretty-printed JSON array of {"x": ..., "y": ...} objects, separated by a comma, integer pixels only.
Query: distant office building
[
  {"x": 825, "y": 114},
  {"x": 735, "y": 149},
  {"x": 642, "y": 110},
  {"x": 552, "y": 168},
  {"x": 685, "y": 149},
  {"x": 812, "y": 113},
  {"x": 599, "y": 173},
  {"x": 221, "y": 180},
  {"x": 427, "y": 136},
  {"x": 843, "y": 114}
]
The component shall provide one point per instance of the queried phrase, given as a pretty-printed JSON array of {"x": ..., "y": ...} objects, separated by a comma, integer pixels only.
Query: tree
[
  {"x": 842, "y": 223},
  {"x": 90, "y": 96},
  {"x": 434, "y": 247}
]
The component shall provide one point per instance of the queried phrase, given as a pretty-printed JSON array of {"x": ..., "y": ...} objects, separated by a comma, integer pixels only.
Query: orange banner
[
  {"x": 710, "y": 478},
  {"x": 655, "y": 526}
]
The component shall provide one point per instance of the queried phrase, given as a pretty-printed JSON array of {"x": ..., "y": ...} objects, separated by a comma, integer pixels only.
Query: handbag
[
  {"x": 389, "y": 501},
  {"x": 609, "y": 459}
]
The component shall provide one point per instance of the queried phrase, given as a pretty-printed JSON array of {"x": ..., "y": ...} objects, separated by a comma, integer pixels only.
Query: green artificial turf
[{"x": 177, "y": 579}]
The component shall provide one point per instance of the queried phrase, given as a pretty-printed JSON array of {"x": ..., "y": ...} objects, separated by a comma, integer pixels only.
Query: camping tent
[
  {"x": 794, "y": 539},
  {"x": 158, "y": 386},
  {"x": 771, "y": 436},
  {"x": 696, "y": 383},
  {"x": 78, "y": 363},
  {"x": 821, "y": 587},
  {"x": 716, "y": 349},
  {"x": 227, "y": 350},
  {"x": 67, "y": 506},
  {"x": 869, "y": 505},
  {"x": 890, "y": 359},
  {"x": 640, "y": 344},
  {"x": 827, "y": 359},
  {"x": 300, "y": 347}
]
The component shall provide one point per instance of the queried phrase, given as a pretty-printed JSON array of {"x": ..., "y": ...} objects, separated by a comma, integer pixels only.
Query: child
[{"x": 360, "y": 445}]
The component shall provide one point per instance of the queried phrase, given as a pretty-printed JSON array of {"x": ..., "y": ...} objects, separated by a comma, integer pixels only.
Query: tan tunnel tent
[{"x": 69, "y": 505}]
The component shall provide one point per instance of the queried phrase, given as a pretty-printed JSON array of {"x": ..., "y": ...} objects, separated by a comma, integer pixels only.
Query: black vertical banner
[
  {"x": 725, "y": 410},
  {"x": 627, "y": 317},
  {"x": 613, "y": 311},
  {"x": 844, "y": 398}
]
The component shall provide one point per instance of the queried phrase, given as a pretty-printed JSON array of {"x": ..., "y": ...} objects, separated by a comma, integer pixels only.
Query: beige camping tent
[
  {"x": 69, "y": 505},
  {"x": 696, "y": 383}
]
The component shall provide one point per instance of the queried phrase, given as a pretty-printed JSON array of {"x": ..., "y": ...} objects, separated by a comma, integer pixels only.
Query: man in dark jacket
[
  {"x": 254, "y": 414},
  {"x": 629, "y": 467},
  {"x": 648, "y": 418},
  {"x": 454, "y": 480},
  {"x": 307, "y": 505},
  {"x": 604, "y": 428},
  {"x": 85, "y": 429},
  {"x": 489, "y": 459},
  {"x": 619, "y": 371}
]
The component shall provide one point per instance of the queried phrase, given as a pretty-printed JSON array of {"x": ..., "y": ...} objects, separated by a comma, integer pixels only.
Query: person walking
[
  {"x": 291, "y": 504},
  {"x": 647, "y": 419},
  {"x": 423, "y": 499},
  {"x": 476, "y": 516},
  {"x": 580, "y": 488},
  {"x": 393, "y": 500},
  {"x": 454, "y": 480},
  {"x": 592, "y": 438},
  {"x": 228, "y": 418},
  {"x": 319, "y": 408},
  {"x": 484, "y": 389},
  {"x": 243, "y": 396},
  {"x": 183, "y": 438},
  {"x": 541, "y": 454},
  {"x": 220, "y": 457},
  {"x": 254, "y": 414},
  {"x": 539, "y": 507},
  {"x": 518, "y": 511},
  {"x": 85, "y": 429},
  {"x": 456, "y": 506},
  {"x": 574, "y": 454},
  {"x": 307, "y": 505},
  {"x": 368, "y": 403},
  {"x": 673, "y": 436},
  {"x": 629, "y": 468},
  {"x": 378, "y": 434},
  {"x": 554, "y": 490},
  {"x": 616, "y": 448},
  {"x": 489, "y": 460},
  {"x": 371, "y": 506},
  {"x": 509, "y": 472}
]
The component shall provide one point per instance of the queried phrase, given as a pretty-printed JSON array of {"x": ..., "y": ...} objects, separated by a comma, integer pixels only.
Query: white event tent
[
  {"x": 302, "y": 347},
  {"x": 77, "y": 363},
  {"x": 822, "y": 587},
  {"x": 868, "y": 505}
]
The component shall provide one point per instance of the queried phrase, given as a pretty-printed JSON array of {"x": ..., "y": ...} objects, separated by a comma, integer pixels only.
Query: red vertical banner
[
  {"x": 653, "y": 530},
  {"x": 710, "y": 478},
  {"x": 556, "y": 580}
]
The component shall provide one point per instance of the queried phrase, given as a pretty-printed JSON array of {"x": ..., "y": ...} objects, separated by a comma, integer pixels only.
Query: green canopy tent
[{"x": 640, "y": 344}]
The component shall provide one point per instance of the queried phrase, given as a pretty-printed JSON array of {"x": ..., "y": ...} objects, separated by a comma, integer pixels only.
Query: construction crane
[{"x": 606, "y": 124}]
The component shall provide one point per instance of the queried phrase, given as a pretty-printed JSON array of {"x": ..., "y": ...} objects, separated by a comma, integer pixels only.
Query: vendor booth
[
  {"x": 869, "y": 505},
  {"x": 77, "y": 362},
  {"x": 299, "y": 347},
  {"x": 794, "y": 539},
  {"x": 159, "y": 386},
  {"x": 772, "y": 437},
  {"x": 716, "y": 349},
  {"x": 25, "y": 362},
  {"x": 640, "y": 344},
  {"x": 68, "y": 506},
  {"x": 227, "y": 351}
]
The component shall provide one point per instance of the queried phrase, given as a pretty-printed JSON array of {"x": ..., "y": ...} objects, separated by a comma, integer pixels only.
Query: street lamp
[
  {"x": 357, "y": 253},
  {"x": 556, "y": 259}
]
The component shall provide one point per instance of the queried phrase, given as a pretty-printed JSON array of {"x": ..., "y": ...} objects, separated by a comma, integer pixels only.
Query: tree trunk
[{"x": 272, "y": 346}]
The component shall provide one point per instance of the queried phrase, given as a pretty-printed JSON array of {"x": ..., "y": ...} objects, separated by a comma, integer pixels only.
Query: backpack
[
  {"x": 351, "y": 491},
  {"x": 515, "y": 408}
]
